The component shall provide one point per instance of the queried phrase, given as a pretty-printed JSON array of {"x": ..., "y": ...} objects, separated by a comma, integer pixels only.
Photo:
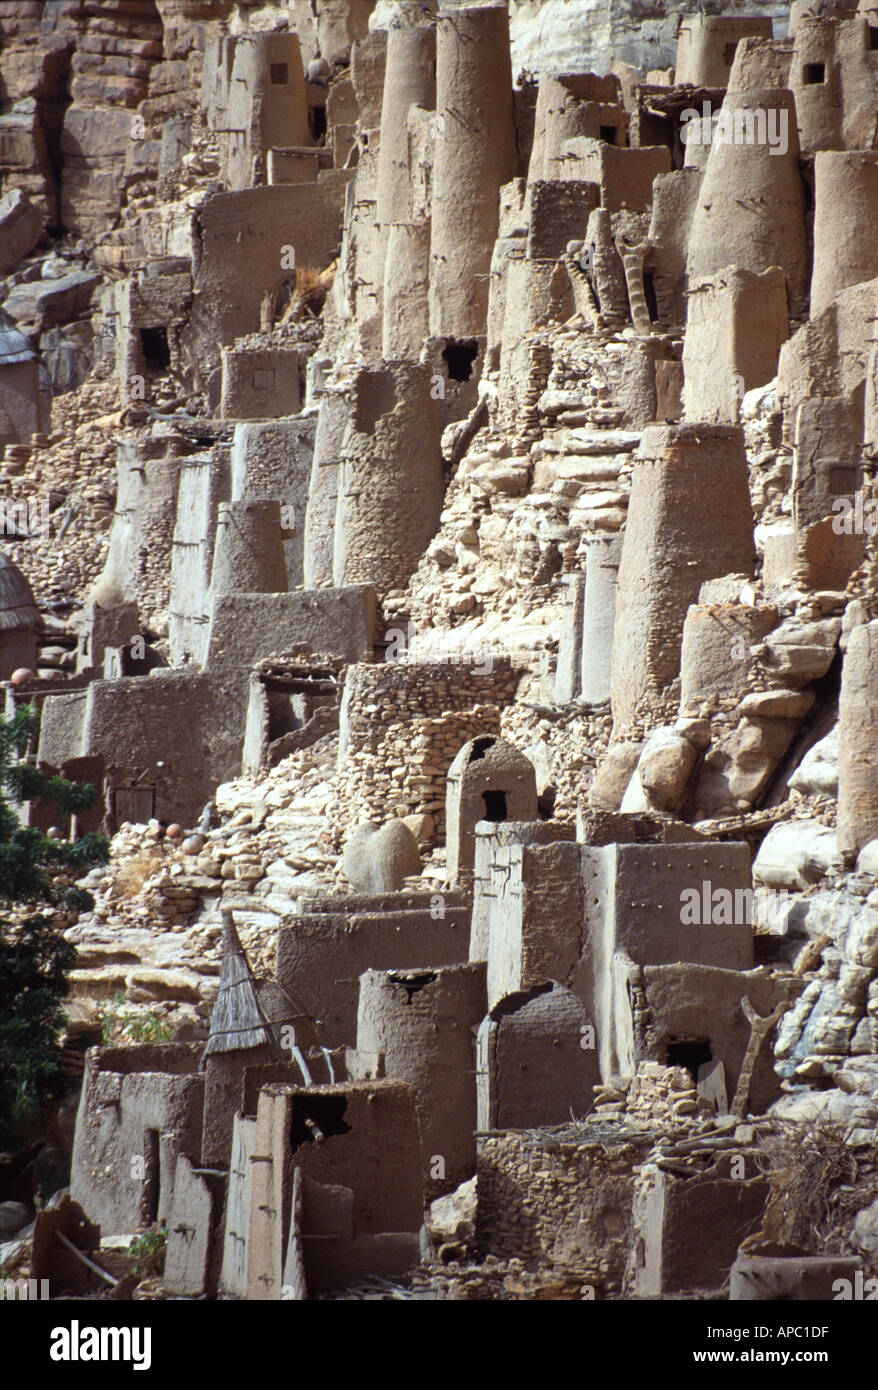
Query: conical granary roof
[{"x": 237, "y": 1020}]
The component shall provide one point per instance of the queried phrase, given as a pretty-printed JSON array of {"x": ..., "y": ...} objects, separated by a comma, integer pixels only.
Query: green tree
[{"x": 35, "y": 958}]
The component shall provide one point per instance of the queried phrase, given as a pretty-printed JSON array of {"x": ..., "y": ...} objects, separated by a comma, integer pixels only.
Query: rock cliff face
[
  {"x": 73, "y": 76},
  {"x": 441, "y": 443},
  {"x": 557, "y": 36},
  {"x": 551, "y": 36}
]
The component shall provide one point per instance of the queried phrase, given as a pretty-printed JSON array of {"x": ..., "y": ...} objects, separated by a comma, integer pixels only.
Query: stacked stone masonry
[{"x": 438, "y": 478}]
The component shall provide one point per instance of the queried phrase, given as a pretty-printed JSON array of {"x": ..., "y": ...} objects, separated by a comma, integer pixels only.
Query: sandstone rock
[
  {"x": 53, "y": 302},
  {"x": 858, "y": 1077},
  {"x": 582, "y": 468},
  {"x": 554, "y": 402},
  {"x": 855, "y": 615},
  {"x": 777, "y": 704},
  {"x": 422, "y": 826},
  {"x": 794, "y": 854},
  {"x": 14, "y": 1216},
  {"x": 502, "y": 478},
  {"x": 861, "y": 942},
  {"x": 802, "y": 1107},
  {"x": 727, "y": 589},
  {"x": 867, "y": 859},
  {"x": 739, "y": 763},
  {"x": 453, "y": 1217},
  {"x": 818, "y": 770},
  {"x": 378, "y": 858},
  {"x": 145, "y": 986},
  {"x": 614, "y": 775},
  {"x": 697, "y": 731},
  {"x": 803, "y": 652},
  {"x": 20, "y": 226},
  {"x": 664, "y": 769}
]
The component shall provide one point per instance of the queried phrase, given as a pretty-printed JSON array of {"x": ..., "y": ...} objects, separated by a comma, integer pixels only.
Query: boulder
[
  {"x": 20, "y": 227},
  {"x": 861, "y": 942},
  {"x": 664, "y": 768},
  {"x": 802, "y": 652},
  {"x": 377, "y": 859},
  {"x": 453, "y": 1217},
  {"x": 67, "y": 356},
  {"x": 867, "y": 859},
  {"x": 422, "y": 826},
  {"x": 859, "y": 1076},
  {"x": 14, "y": 1216},
  {"x": 795, "y": 853},
  {"x": 739, "y": 763},
  {"x": 613, "y": 776},
  {"x": 777, "y": 704},
  {"x": 53, "y": 301},
  {"x": 818, "y": 770}
]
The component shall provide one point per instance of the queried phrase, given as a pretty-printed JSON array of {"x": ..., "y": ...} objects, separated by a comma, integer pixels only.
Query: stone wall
[
  {"x": 401, "y": 726},
  {"x": 555, "y": 1198}
]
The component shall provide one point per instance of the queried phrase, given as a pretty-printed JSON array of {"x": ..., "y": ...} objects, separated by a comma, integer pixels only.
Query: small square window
[
  {"x": 813, "y": 74},
  {"x": 279, "y": 74},
  {"x": 609, "y": 134},
  {"x": 263, "y": 379},
  {"x": 842, "y": 480},
  {"x": 873, "y": 38},
  {"x": 729, "y": 54}
]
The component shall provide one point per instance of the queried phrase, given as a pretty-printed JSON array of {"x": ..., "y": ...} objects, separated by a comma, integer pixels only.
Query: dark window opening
[
  {"x": 156, "y": 350},
  {"x": 649, "y": 293},
  {"x": 138, "y": 665},
  {"x": 459, "y": 359},
  {"x": 316, "y": 1118},
  {"x": 609, "y": 134},
  {"x": 813, "y": 74},
  {"x": 413, "y": 983},
  {"x": 480, "y": 748},
  {"x": 495, "y": 806},
  {"x": 873, "y": 37},
  {"x": 281, "y": 717},
  {"x": 843, "y": 480},
  {"x": 149, "y": 1195},
  {"x": 279, "y": 74},
  {"x": 658, "y": 130},
  {"x": 729, "y": 53},
  {"x": 690, "y": 1053},
  {"x": 317, "y": 116}
]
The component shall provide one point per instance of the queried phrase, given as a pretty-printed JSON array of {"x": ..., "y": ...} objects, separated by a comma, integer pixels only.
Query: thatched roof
[
  {"x": 18, "y": 606},
  {"x": 237, "y": 1020}
]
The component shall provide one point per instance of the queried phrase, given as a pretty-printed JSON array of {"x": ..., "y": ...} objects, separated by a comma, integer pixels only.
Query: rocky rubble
[
  {"x": 126, "y": 222},
  {"x": 155, "y": 932}
]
